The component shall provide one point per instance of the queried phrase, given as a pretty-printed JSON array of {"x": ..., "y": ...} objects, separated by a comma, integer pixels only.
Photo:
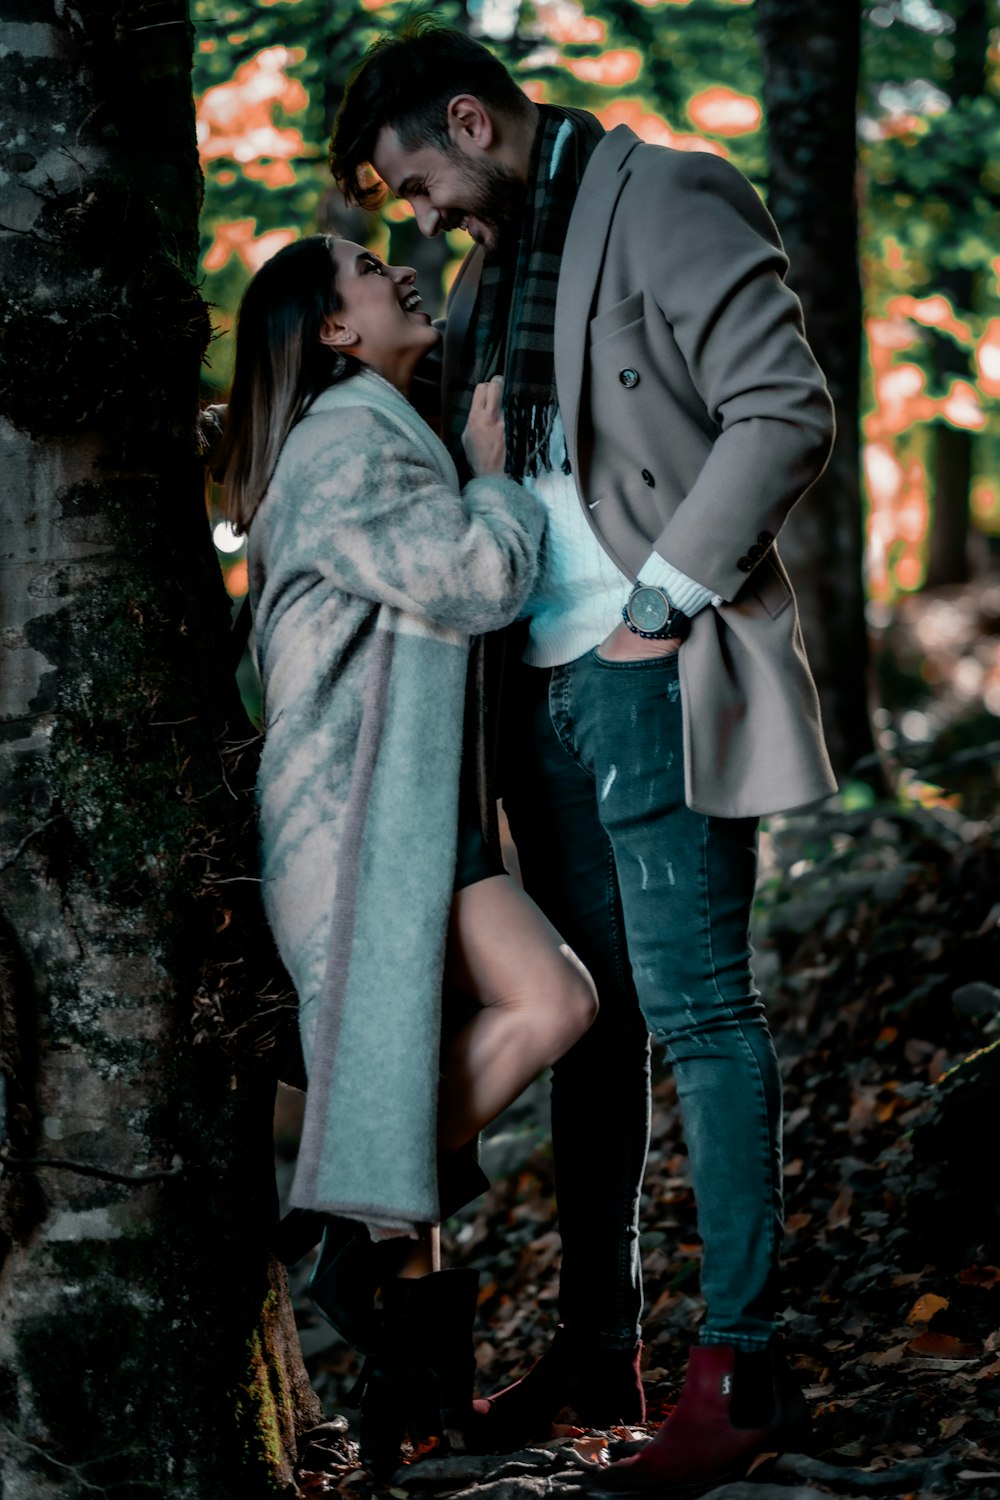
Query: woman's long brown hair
[{"x": 281, "y": 367}]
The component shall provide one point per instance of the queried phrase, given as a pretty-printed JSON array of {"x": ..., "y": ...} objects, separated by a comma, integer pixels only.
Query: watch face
[{"x": 648, "y": 609}]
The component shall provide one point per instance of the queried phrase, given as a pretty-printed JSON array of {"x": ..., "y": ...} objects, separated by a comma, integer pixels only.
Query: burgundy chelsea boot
[{"x": 734, "y": 1405}]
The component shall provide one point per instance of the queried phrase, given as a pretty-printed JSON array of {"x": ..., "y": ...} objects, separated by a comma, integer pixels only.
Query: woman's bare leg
[
  {"x": 536, "y": 1000},
  {"x": 421, "y": 1256}
]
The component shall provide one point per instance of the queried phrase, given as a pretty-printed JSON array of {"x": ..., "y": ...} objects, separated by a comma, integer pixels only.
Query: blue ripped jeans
[{"x": 656, "y": 901}]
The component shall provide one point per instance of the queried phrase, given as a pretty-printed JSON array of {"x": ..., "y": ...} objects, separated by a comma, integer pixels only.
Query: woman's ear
[{"x": 338, "y": 335}]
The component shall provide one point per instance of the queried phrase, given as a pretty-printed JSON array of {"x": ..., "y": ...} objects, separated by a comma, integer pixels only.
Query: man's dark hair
[{"x": 407, "y": 79}]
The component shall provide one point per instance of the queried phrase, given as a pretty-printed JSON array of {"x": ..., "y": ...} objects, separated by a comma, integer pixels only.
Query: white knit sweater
[{"x": 579, "y": 590}]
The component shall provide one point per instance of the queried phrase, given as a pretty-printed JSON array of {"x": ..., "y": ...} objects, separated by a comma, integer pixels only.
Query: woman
[{"x": 369, "y": 571}]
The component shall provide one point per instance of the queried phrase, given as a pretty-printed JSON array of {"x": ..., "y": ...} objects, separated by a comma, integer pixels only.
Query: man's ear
[
  {"x": 470, "y": 123},
  {"x": 338, "y": 335}
]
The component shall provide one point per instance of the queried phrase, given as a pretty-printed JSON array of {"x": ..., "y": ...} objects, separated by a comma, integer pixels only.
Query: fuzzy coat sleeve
[{"x": 373, "y": 518}]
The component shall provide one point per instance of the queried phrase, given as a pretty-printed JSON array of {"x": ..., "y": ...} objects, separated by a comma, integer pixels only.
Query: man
[{"x": 661, "y": 400}]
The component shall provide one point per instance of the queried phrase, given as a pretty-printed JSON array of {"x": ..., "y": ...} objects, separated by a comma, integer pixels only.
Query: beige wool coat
[{"x": 696, "y": 418}]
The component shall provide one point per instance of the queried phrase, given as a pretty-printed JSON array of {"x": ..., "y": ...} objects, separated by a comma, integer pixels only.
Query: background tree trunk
[
  {"x": 146, "y": 1344},
  {"x": 948, "y": 551},
  {"x": 810, "y": 58}
]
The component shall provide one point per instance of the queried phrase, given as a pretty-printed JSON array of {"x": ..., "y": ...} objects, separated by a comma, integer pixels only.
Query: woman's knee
[{"x": 576, "y": 1005}]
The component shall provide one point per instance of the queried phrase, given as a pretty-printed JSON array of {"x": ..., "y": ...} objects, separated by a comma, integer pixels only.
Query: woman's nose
[{"x": 403, "y": 275}]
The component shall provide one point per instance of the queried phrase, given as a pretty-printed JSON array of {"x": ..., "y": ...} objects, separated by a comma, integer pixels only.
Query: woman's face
[{"x": 380, "y": 320}]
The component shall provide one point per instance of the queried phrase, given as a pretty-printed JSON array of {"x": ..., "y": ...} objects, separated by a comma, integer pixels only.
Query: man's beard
[{"x": 496, "y": 197}]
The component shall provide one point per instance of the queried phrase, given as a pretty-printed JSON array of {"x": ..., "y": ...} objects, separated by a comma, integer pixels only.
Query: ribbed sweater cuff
[{"x": 685, "y": 593}]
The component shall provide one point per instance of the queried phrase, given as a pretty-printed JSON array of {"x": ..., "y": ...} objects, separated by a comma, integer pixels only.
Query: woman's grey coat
[{"x": 369, "y": 571}]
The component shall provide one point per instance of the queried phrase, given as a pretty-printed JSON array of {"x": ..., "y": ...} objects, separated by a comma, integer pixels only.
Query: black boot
[
  {"x": 420, "y": 1379},
  {"x": 603, "y": 1387},
  {"x": 344, "y": 1282}
]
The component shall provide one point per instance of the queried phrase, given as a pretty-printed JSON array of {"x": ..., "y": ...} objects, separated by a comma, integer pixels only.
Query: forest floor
[{"x": 878, "y": 948}]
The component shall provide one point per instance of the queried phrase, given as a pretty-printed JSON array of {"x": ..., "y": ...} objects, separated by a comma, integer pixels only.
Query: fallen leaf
[
  {"x": 990, "y": 922},
  {"x": 886, "y": 1356},
  {"x": 925, "y": 1307},
  {"x": 980, "y": 1276},
  {"x": 839, "y": 1215},
  {"x": 943, "y": 1346},
  {"x": 314, "y": 1484},
  {"x": 590, "y": 1447},
  {"x": 762, "y": 1458}
]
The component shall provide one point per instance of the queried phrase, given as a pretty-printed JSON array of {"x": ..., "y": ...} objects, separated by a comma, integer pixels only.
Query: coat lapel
[
  {"x": 586, "y": 239},
  {"x": 461, "y": 305}
]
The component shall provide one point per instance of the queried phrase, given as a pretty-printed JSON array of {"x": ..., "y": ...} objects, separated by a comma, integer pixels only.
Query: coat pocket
[
  {"x": 770, "y": 586},
  {"x": 616, "y": 317}
]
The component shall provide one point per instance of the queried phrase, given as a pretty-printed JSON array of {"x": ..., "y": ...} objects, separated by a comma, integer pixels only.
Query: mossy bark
[
  {"x": 146, "y": 1342},
  {"x": 810, "y": 56}
]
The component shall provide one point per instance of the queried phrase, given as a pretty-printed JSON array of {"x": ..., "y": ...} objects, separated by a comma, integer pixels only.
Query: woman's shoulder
[
  {"x": 368, "y": 414},
  {"x": 353, "y": 406},
  {"x": 368, "y": 398}
]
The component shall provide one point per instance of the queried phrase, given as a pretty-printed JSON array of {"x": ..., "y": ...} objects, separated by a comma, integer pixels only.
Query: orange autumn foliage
[
  {"x": 724, "y": 112},
  {"x": 236, "y": 119},
  {"x": 238, "y": 238},
  {"x": 612, "y": 69},
  {"x": 653, "y": 128},
  {"x": 988, "y": 358},
  {"x": 565, "y": 23},
  {"x": 899, "y": 511}
]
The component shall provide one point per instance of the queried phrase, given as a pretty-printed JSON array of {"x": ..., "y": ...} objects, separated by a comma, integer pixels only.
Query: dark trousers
[{"x": 655, "y": 899}]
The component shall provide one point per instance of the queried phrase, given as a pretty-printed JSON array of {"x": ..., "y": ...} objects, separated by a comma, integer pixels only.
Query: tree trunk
[
  {"x": 948, "y": 549},
  {"x": 146, "y": 1343},
  {"x": 810, "y": 57},
  {"x": 953, "y": 465}
]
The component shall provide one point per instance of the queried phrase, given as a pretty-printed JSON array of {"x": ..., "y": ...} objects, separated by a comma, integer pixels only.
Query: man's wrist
[
  {"x": 650, "y": 612},
  {"x": 685, "y": 592}
]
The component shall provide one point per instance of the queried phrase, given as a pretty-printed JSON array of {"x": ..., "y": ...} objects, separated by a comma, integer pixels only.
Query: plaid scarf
[{"x": 513, "y": 326}]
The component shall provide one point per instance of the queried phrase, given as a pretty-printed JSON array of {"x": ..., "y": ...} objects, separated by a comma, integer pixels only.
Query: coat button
[
  {"x": 628, "y": 378},
  {"x": 744, "y": 564},
  {"x": 648, "y": 478},
  {"x": 765, "y": 538},
  {"x": 755, "y": 553}
]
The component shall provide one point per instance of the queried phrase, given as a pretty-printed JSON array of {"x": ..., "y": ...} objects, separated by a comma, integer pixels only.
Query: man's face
[{"x": 457, "y": 189}]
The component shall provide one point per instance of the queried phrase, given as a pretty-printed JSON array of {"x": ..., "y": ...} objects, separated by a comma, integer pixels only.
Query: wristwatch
[{"x": 648, "y": 612}]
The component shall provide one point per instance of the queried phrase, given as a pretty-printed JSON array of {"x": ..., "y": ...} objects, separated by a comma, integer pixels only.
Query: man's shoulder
[
  {"x": 689, "y": 170},
  {"x": 667, "y": 186}
]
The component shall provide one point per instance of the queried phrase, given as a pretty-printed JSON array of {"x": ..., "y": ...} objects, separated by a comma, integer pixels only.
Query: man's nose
[{"x": 429, "y": 222}]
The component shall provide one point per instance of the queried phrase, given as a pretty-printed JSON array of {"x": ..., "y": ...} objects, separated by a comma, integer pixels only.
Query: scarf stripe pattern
[{"x": 513, "y": 327}]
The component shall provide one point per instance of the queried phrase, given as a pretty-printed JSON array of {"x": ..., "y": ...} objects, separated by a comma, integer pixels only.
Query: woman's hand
[{"x": 484, "y": 439}]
